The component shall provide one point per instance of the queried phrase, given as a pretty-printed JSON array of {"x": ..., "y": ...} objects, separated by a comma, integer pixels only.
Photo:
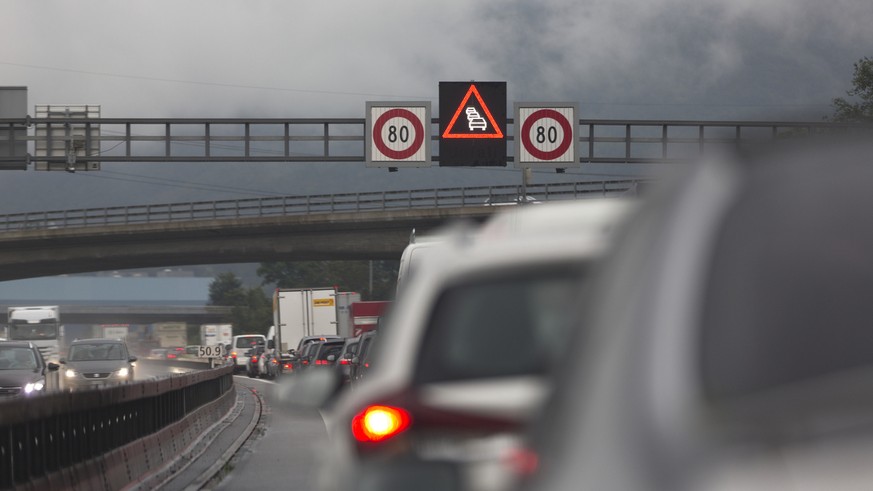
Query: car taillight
[
  {"x": 233, "y": 354},
  {"x": 306, "y": 362},
  {"x": 287, "y": 366},
  {"x": 523, "y": 461},
  {"x": 378, "y": 423},
  {"x": 171, "y": 355},
  {"x": 344, "y": 361},
  {"x": 254, "y": 359},
  {"x": 322, "y": 362}
]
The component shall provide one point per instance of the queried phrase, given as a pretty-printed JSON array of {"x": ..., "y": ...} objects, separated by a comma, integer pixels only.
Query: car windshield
[
  {"x": 508, "y": 326},
  {"x": 17, "y": 358},
  {"x": 30, "y": 332},
  {"x": 96, "y": 351}
]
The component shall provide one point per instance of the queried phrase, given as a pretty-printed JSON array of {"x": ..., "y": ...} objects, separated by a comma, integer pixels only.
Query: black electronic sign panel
[{"x": 472, "y": 124}]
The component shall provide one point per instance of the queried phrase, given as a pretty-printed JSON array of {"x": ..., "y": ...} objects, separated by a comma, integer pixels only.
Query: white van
[{"x": 241, "y": 346}]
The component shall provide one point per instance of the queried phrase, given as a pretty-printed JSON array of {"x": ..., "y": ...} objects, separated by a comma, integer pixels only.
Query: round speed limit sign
[
  {"x": 398, "y": 134},
  {"x": 546, "y": 135}
]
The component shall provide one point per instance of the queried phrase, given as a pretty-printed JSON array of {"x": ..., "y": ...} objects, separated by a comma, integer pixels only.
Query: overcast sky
[{"x": 678, "y": 59}]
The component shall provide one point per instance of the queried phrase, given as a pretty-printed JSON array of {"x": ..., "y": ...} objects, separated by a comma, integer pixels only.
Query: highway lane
[{"x": 283, "y": 450}]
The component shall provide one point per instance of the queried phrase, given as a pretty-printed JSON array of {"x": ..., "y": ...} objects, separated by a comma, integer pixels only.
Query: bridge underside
[{"x": 331, "y": 236}]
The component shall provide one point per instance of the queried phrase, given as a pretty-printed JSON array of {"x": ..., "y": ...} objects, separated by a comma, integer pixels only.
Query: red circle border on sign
[
  {"x": 542, "y": 114},
  {"x": 416, "y": 126}
]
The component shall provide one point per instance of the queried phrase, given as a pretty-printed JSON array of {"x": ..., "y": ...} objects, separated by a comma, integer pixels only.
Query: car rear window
[
  {"x": 329, "y": 349},
  {"x": 511, "y": 325},
  {"x": 247, "y": 342}
]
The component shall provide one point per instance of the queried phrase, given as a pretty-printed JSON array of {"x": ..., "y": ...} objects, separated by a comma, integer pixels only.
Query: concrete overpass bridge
[{"x": 348, "y": 226}]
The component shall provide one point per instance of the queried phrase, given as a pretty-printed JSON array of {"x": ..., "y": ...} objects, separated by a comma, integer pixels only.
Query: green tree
[
  {"x": 349, "y": 276},
  {"x": 255, "y": 314},
  {"x": 252, "y": 311},
  {"x": 861, "y": 109},
  {"x": 226, "y": 289}
]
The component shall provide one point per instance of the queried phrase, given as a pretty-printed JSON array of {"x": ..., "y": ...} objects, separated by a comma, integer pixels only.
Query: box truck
[
  {"x": 39, "y": 325},
  {"x": 299, "y": 312},
  {"x": 216, "y": 334}
]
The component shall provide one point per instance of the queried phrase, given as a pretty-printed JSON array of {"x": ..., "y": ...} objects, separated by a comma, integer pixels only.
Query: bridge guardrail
[
  {"x": 48, "y": 433},
  {"x": 303, "y": 205}
]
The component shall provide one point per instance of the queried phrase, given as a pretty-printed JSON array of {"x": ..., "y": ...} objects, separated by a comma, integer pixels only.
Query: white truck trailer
[
  {"x": 299, "y": 312},
  {"x": 216, "y": 334},
  {"x": 39, "y": 325}
]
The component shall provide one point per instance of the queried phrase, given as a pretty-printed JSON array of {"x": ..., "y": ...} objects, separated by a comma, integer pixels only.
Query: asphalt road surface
[{"x": 282, "y": 452}]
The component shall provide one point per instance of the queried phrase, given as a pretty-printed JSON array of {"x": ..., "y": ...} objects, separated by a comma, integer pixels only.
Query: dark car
[
  {"x": 306, "y": 355},
  {"x": 360, "y": 362},
  {"x": 23, "y": 370},
  {"x": 344, "y": 359},
  {"x": 97, "y": 362},
  {"x": 327, "y": 353},
  {"x": 300, "y": 358}
]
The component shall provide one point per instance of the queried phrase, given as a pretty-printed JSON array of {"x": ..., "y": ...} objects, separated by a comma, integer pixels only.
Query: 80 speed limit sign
[
  {"x": 546, "y": 135},
  {"x": 398, "y": 134}
]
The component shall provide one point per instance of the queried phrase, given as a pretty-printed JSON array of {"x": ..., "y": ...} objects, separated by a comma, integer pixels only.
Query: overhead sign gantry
[{"x": 473, "y": 131}]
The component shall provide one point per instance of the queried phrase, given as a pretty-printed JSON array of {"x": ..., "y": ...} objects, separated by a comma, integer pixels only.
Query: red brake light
[
  {"x": 171, "y": 355},
  {"x": 306, "y": 362},
  {"x": 287, "y": 366},
  {"x": 378, "y": 423},
  {"x": 233, "y": 354},
  {"x": 255, "y": 358},
  {"x": 344, "y": 361},
  {"x": 523, "y": 461}
]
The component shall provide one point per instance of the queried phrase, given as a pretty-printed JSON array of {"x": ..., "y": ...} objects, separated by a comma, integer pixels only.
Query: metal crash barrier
[{"x": 42, "y": 436}]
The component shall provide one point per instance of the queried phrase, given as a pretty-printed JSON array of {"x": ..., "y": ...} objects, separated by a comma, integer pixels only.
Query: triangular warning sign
[{"x": 474, "y": 124}]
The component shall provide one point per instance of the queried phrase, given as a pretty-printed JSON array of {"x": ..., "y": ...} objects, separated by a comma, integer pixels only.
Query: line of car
[
  {"x": 89, "y": 363},
  {"x": 712, "y": 335}
]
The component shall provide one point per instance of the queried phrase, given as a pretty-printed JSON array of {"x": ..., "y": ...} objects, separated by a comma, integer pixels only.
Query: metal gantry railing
[
  {"x": 310, "y": 204},
  {"x": 343, "y": 139}
]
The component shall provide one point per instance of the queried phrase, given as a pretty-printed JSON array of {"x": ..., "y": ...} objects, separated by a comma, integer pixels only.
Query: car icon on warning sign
[{"x": 474, "y": 120}]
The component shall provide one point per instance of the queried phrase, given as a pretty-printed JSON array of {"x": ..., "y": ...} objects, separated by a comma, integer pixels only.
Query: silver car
[{"x": 92, "y": 363}]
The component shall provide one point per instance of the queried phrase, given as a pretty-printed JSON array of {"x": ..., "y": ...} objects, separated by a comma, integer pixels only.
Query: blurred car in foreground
[
  {"x": 728, "y": 341},
  {"x": 23, "y": 371},
  {"x": 462, "y": 362},
  {"x": 97, "y": 362}
]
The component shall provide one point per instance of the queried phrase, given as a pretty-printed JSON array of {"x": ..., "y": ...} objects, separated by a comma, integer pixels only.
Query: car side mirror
[
  {"x": 348, "y": 356},
  {"x": 271, "y": 344},
  {"x": 53, "y": 366},
  {"x": 331, "y": 358},
  {"x": 62, "y": 361},
  {"x": 132, "y": 359},
  {"x": 355, "y": 360}
]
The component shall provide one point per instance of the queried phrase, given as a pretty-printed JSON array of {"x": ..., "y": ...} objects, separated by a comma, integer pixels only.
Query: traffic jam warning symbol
[
  {"x": 546, "y": 135},
  {"x": 398, "y": 134},
  {"x": 472, "y": 124}
]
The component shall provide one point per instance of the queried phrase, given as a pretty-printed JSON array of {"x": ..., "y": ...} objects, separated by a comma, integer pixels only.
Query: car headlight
[
  {"x": 69, "y": 373},
  {"x": 123, "y": 372},
  {"x": 34, "y": 387}
]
